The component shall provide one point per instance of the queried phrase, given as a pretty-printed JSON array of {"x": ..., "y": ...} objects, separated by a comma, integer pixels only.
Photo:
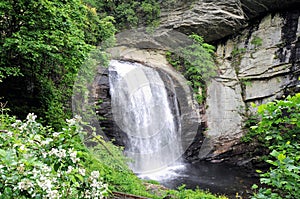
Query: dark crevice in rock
[
  {"x": 259, "y": 8},
  {"x": 172, "y": 98},
  {"x": 192, "y": 153},
  {"x": 292, "y": 44},
  {"x": 104, "y": 110}
]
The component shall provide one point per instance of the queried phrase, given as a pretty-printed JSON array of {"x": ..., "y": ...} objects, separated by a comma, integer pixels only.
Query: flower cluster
[{"x": 38, "y": 163}]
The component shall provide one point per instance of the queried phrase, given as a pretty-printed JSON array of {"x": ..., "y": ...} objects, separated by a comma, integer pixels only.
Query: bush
[
  {"x": 279, "y": 130},
  {"x": 36, "y": 162},
  {"x": 196, "y": 62}
]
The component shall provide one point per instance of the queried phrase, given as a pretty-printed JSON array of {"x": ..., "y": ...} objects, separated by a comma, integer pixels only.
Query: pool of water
[{"x": 218, "y": 178}]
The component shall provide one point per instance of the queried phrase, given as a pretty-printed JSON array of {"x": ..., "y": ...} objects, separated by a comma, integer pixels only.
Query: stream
[{"x": 218, "y": 178}]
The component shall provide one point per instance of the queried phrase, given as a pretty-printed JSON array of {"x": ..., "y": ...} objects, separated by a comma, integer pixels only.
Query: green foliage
[
  {"x": 183, "y": 193},
  {"x": 237, "y": 54},
  {"x": 46, "y": 42},
  {"x": 279, "y": 130},
  {"x": 196, "y": 63},
  {"x": 129, "y": 13},
  {"x": 256, "y": 41},
  {"x": 37, "y": 162},
  {"x": 30, "y": 152}
]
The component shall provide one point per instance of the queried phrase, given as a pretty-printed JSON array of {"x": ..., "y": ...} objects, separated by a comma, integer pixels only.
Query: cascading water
[
  {"x": 144, "y": 111},
  {"x": 144, "y": 106}
]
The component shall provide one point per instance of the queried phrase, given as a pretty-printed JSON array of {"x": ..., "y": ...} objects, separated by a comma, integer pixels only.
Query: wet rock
[{"x": 188, "y": 108}]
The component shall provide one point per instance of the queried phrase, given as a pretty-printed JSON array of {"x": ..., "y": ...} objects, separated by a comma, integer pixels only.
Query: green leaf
[
  {"x": 269, "y": 137},
  {"x": 281, "y": 157},
  {"x": 254, "y": 186},
  {"x": 274, "y": 153},
  {"x": 79, "y": 177},
  {"x": 2, "y": 153}
]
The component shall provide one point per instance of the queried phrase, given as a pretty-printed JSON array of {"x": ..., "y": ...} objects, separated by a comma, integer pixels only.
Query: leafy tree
[
  {"x": 44, "y": 42},
  {"x": 129, "y": 13}
]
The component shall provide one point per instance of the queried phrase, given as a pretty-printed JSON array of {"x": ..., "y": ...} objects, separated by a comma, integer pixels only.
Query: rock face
[
  {"x": 211, "y": 19},
  {"x": 255, "y": 8},
  {"x": 215, "y": 19},
  {"x": 260, "y": 64},
  {"x": 256, "y": 65}
]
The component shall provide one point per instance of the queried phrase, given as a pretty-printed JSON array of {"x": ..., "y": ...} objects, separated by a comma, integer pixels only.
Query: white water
[{"x": 141, "y": 108}]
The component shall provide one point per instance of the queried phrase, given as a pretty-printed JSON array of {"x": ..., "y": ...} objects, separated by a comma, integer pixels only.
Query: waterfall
[{"x": 143, "y": 109}]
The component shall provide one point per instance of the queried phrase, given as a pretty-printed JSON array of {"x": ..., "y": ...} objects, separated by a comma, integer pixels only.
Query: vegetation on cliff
[{"x": 196, "y": 63}]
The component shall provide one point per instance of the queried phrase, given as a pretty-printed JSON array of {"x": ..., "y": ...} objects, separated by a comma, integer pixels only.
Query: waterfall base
[{"x": 218, "y": 178}]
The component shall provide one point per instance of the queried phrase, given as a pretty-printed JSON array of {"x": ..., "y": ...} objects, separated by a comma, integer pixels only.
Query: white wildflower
[
  {"x": 70, "y": 169},
  {"x": 81, "y": 171},
  {"x": 52, "y": 194},
  {"x": 46, "y": 142},
  {"x": 53, "y": 151},
  {"x": 10, "y": 134},
  {"x": 95, "y": 174},
  {"x": 56, "y": 134},
  {"x": 71, "y": 122},
  {"x": 22, "y": 147},
  {"x": 73, "y": 155},
  {"x": 44, "y": 183},
  {"x": 78, "y": 117},
  {"x": 35, "y": 172},
  {"x": 95, "y": 184},
  {"x": 58, "y": 174},
  {"x": 46, "y": 169},
  {"x": 61, "y": 153},
  {"x": 87, "y": 194},
  {"x": 23, "y": 127},
  {"x": 25, "y": 184},
  {"x": 17, "y": 123},
  {"x": 31, "y": 117},
  {"x": 44, "y": 154}
]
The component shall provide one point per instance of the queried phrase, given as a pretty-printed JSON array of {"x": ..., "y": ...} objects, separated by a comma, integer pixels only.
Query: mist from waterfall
[{"x": 143, "y": 109}]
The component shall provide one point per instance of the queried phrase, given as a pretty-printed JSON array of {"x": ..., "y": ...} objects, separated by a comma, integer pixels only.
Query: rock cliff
[
  {"x": 260, "y": 64},
  {"x": 258, "y": 55},
  {"x": 214, "y": 19}
]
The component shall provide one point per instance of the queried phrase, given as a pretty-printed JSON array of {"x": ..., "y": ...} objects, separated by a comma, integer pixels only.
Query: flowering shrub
[{"x": 36, "y": 162}]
